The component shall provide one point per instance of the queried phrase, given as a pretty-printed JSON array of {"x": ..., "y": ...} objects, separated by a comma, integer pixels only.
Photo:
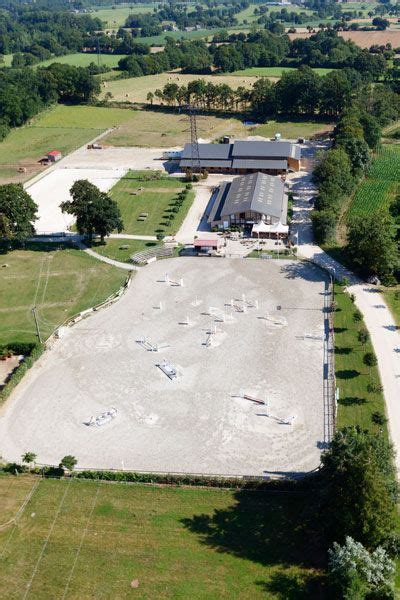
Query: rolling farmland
[{"x": 377, "y": 190}]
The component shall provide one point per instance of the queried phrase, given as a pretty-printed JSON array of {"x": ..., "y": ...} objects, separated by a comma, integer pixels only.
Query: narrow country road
[{"x": 385, "y": 335}]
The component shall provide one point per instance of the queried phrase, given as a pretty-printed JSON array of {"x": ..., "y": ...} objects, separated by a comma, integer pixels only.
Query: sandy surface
[
  {"x": 193, "y": 423},
  {"x": 104, "y": 168},
  {"x": 53, "y": 188}
]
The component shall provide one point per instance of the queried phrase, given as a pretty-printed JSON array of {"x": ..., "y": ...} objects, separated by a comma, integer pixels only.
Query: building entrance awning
[{"x": 262, "y": 227}]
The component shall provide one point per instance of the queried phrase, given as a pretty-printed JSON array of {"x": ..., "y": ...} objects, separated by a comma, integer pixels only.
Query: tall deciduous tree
[
  {"x": 371, "y": 244},
  {"x": 359, "y": 492},
  {"x": 95, "y": 211},
  {"x": 18, "y": 212}
]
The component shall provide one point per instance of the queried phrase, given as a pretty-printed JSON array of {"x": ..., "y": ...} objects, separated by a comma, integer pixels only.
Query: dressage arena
[{"x": 204, "y": 366}]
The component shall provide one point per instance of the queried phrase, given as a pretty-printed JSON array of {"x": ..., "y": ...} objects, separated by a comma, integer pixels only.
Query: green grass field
[
  {"x": 356, "y": 404},
  {"x": 378, "y": 189},
  {"x": 135, "y": 89},
  {"x": 82, "y": 59},
  {"x": 116, "y": 17},
  {"x": 60, "y": 283},
  {"x": 163, "y": 130},
  {"x": 117, "y": 250},
  {"x": 64, "y": 128},
  {"x": 136, "y": 194},
  {"x": 178, "y": 543},
  {"x": 272, "y": 71}
]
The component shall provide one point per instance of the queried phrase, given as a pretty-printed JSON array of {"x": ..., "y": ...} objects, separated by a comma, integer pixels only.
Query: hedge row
[
  {"x": 31, "y": 353},
  {"x": 199, "y": 480},
  {"x": 306, "y": 482}
]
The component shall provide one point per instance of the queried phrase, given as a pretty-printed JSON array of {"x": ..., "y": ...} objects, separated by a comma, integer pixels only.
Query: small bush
[{"x": 357, "y": 316}]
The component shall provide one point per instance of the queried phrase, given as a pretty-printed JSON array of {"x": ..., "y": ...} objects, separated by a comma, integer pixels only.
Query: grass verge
[{"x": 356, "y": 403}]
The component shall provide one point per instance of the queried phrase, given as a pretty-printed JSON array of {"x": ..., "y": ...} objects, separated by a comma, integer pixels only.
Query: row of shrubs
[
  {"x": 31, "y": 353},
  {"x": 300, "y": 484}
]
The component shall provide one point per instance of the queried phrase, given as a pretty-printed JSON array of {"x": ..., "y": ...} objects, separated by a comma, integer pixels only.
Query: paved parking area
[{"x": 195, "y": 423}]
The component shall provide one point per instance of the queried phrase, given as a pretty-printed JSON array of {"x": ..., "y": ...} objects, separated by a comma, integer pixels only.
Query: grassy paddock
[
  {"x": 83, "y": 59},
  {"x": 136, "y": 194},
  {"x": 116, "y": 17},
  {"x": 177, "y": 542},
  {"x": 60, "y": 283},
  {"x": 13, "y": 491},
  {"x": 135, "y": 89},
  {"x": 356, "y": 404},
  {"x": 163, "y": 129},
  {"x": 64, "y": 128}
]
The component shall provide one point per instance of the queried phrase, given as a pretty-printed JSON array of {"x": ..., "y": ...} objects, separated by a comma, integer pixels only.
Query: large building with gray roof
[
  {"x": 241, "y": 157},
  {"x": 247, "y": 200}
]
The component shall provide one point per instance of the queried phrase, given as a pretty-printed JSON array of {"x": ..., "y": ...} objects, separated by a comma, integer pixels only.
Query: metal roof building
[
  {"x": 247, "y": 200},
  {"x": 245, "y": 157}
]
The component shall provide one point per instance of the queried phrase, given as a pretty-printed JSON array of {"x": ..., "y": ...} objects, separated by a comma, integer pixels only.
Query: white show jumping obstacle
[
  {"x": 282, "y": 421},
  {"x": 168, "y": 281},
  {"x": 147, "y": 345},
  {"x": 168, "y": 369},
  {"x": 102, "y": 419}
]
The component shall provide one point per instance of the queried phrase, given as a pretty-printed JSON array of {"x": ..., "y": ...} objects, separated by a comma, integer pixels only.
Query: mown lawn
[
  {"x": 356, "y": 403},
  {"x": 178, "y": 543},
  {"x": 60, "y": 283},
  {"x": 120, "y": 249},
  {"x": 138, "y": 192}
]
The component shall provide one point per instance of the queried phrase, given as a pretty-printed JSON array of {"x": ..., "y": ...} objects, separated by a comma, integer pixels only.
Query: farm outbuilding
[
  {"x": 54, "y": 156},
  {"x": 208, "y": 245}
]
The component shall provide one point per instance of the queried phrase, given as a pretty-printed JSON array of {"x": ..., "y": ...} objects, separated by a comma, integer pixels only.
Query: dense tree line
[
  {"x": 256, "y": 49},
  {"x": 339, "y": 171},
  {"x": 184, "y": 16},
  {"x": 24, "y": 92},
  {"x": 299, "y": 93},
  {"x": 43, "y": 33},
  {"x": 357, "y": 507}
]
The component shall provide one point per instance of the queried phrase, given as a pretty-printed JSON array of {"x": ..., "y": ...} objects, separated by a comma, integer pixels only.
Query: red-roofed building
[
  {"x": 210, "y": 245},
  {"x": 54, "y": 156}
]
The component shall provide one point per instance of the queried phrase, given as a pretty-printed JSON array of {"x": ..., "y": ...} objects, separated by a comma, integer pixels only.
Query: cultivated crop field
[
  {"x": 135, "y": 194},
  {"x": 60, "y": 283},
  {"x": 377, "y": 190},
  {"x": 364, "y": 39},
  {"x": 177, "y": 543}
]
